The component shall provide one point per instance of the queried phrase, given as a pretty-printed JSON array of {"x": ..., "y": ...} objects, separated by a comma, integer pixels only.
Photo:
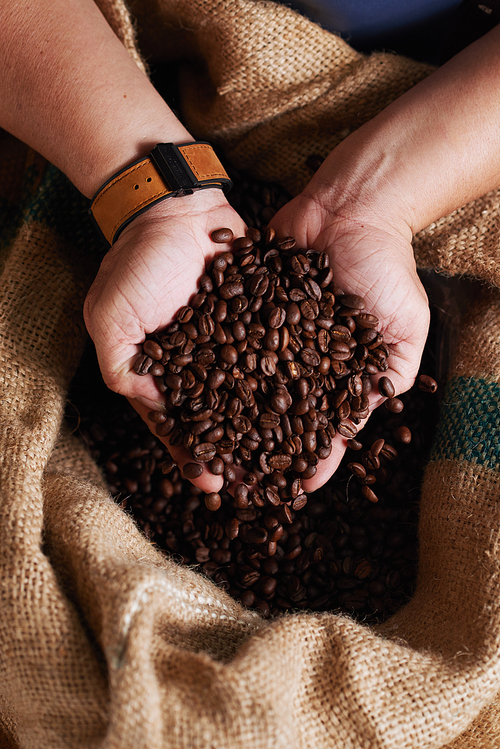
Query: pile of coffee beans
[
  {"x": 265, "y": 365},
  {"x": 342, "y": 551}
]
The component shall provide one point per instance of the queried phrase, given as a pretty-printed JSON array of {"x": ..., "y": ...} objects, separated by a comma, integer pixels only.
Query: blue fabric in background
[{"x": 416, "y": 28}]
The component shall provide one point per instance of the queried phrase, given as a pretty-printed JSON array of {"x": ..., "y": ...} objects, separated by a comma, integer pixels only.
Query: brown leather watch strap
[{"x": 170, "y": 170}]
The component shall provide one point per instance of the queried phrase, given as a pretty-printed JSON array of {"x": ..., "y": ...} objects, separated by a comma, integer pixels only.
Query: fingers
[{"x": 326, "y": 468}]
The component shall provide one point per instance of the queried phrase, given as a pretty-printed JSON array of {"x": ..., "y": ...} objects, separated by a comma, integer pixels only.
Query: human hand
[
  {"x": 150, "y": 272},
  {"x": 374, "y": 262}
]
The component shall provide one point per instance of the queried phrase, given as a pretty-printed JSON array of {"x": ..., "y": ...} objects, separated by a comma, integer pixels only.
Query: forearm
[
  {"x": 70, "y": 90},
  {"x": 431, "y": 151}
]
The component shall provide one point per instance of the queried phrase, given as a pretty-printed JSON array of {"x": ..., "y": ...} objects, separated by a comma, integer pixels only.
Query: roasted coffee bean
[
  {"x": 232, "y": 529},
  {"x": 279, "y": 462},
  {"x": 157, "y": 417},
  {"x": 242, "y": 243},
  {"x": 394, "y": 405},
  {"x": 308, "y": 310},
  {"x": 370, "y": 461},
  {"x": 277, "y": 317},
  {"x": 403, "y": 434},
  {"x": 369, "y": 494},
  {"x": 427, "y": 384},
  {"x": 299, "y": 503},
  {"x": 184, "y": 314},
  {"x": 377, "y": 447},
  {"x": 365, "y": 320},
  {"x": 346, "y": 429},
  {"x": 340, "y": 333},
  {"x": 367, "y": 336},
  {"x": 293, "y": 314},
  {"x": 313, "y": 289},
  {"x": 165, "y": 428},
  {"x": 213, "y": 501},
  {"x": 143, "y": 364},
  {"x": 152, "y": 349},
  {"x": 231, "y": 289},
  {"x": 229, "y": 354},
  {"x": 204, "y": 452},
  {"x": 288, "y": 243},
  {"x": 279, "y": 402},
  {"x": 192, "y": 470},
  {"x": 216, "y": 377},
  {"x": 310, "y": 356},
  {"x": 386, "y": 388},
  {"x": 357, "y": 469},
  {"x": 352, "y": 301},
  {"x": 389, "y": 452},
  {"x": 222, "y": 236}
]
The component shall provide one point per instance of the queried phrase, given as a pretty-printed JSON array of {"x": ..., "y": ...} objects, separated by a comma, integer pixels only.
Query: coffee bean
[
  {"x": 229, "y": 354},
  {"x": 352, "y": 301},
  {"x": 365, "y": 320},
  {"x": 212, "y": 501},
  {"x": 288, "y": 243},
  {"x": 221, "y": 236},
  {"x": 242, "y": 243},
  {"x": 231, "y": 289},
  {"x": 164, "y": 428},
  {"x": 313, "y": 289},
  {"x": 369, "y": 494},
  {"x": 184, "y": 314},
  {"x": 204, "y": 452},
  {"x": 389, "y": 452},
  {"x": 394, "y": 405},
  {"x": 152, "y": 349},
  {"x": 157, "y": 417},
  {"x": 232, "y": 529},
  {"x": 310, "y": 356},
  {"x": 143, "y": 364},
  {"x": 357, "y": 469},
  {"x": 299, "y": 503},
  {"x": 346, "y": 429},
  {"x": 279, "y": 462},
  {"x": 386, "y": 388},
  {"x": 403, "y": 434},
  {"x": 427, "y": 384},
  {"x": 192, "y": 470},
  {"x": 377, "y": 446}
]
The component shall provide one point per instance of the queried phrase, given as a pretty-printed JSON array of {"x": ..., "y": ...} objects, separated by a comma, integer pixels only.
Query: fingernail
[{"x": 151, "y": 404}]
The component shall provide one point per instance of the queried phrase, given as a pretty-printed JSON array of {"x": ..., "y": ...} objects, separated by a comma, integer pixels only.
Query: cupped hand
[
  {"x": 150, "y": 272},
  {"x": 374, "y": 260}
]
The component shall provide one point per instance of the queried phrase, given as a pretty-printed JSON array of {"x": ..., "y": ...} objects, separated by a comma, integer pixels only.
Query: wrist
[
  {"x": 354, "y": 187},
  {"x": 169, "y": 171},
  {"x": 110, "y": 152}
]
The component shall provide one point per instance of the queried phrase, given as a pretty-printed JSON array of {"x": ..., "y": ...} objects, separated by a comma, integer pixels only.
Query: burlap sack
[{"x": 107, "y": 643}]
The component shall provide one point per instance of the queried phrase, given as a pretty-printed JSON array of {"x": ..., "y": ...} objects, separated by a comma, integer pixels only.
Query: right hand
[{"x": 150, "y": 272}]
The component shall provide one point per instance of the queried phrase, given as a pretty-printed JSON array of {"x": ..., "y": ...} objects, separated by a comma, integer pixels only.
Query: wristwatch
[{"x": 169, "y": 171}]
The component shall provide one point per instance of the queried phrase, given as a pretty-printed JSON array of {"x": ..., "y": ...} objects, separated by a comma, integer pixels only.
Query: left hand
[{"x": 377, "y": 263}]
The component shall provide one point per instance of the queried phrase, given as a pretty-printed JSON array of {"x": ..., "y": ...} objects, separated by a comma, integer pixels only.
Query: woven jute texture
[{"x": 107, "y": 643}]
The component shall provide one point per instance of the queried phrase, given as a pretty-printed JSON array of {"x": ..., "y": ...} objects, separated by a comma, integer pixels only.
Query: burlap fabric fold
[{"x": 107, "y": 643}]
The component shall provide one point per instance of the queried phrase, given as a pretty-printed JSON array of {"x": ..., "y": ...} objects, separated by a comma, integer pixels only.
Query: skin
[{"x": 71, "y": 91}]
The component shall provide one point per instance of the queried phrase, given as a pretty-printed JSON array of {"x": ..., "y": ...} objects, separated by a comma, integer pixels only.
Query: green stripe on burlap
[{"x": 469, "y": 425}]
